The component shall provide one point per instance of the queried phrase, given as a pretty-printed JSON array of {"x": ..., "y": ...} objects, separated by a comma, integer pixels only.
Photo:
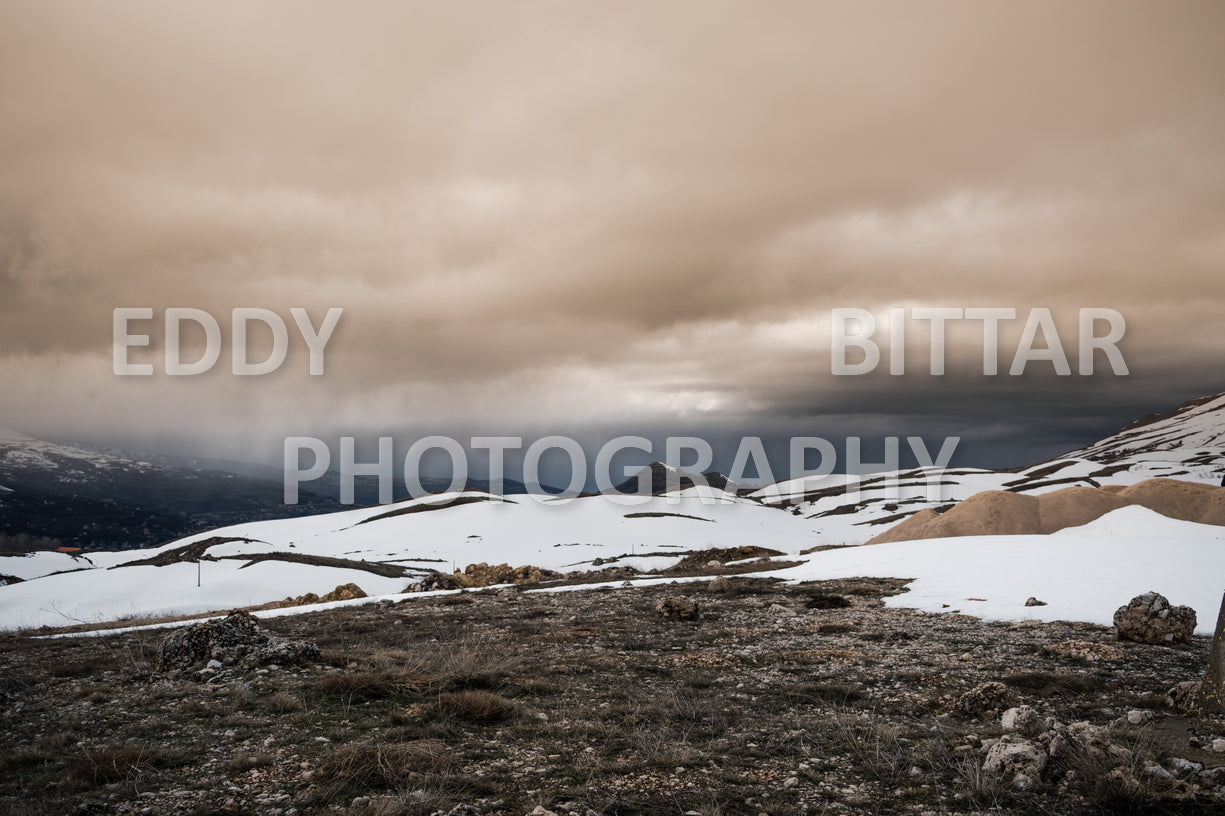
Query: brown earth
[
  {"x": 499, "y": 702},
  {"x": 1001, "y": 512}
]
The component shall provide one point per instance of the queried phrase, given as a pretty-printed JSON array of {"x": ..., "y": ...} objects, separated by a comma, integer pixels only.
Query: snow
[
  {"x": 91, "y": 596},
  {"x": 37, "y": 564},
  {"x": 563, "y": 536},
  {"x": 1083, "y": 573}
]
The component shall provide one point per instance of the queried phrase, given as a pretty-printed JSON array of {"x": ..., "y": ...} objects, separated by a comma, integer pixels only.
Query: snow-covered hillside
[
  {"x": 1186, "y": 444},
  {"x": 1080, "y": 573},
  {"x": 385, "y": 549},
  {"x": 1191, "y": 437}
]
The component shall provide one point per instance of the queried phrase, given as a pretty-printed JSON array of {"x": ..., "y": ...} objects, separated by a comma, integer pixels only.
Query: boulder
[
  {"x": 1016, "y": 759},
  {"x": 1149, "y": 618},
  {"x": 678, "y": 607},
  {"x": 235, "y": 639}
]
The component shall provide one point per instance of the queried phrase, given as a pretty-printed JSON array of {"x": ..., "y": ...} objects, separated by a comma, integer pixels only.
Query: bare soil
[{"x": 776, "y": 700}]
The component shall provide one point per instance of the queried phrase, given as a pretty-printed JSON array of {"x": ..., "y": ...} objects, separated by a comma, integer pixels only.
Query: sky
[{"x": 596, "y": 219}]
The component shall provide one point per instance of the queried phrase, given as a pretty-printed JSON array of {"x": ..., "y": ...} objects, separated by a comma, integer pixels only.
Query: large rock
[
  {"x": 678, "y": 607},
  {"x": 1149, "y": 618},
  {"x": 1016, "y": 759},
  {"x": 234, "y": 639}
]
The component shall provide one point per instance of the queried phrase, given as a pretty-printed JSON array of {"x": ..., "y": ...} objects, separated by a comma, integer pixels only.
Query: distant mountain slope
[
  {"x": 662, "y": 478},
  {"x": 1193, "y": 434},
  {"x": 1187, "y": 443},
  {"x": 92, "y": 499}
]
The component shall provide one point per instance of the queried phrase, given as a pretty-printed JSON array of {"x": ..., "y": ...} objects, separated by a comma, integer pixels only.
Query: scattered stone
[
  {"x": 1085, "y": 650},
  {"x": 483, "y": 575},
  {"x": 1185, "y": 695},
  {"x": 983, "y": 698},
  {"x": 1182, "y": 765},
  {"x": 1032, "y": 601},
  {"x": 1139, "y": 716},
  {"x": 344, "y": 592},
  {"x": 781, "y": 610},
  {"x": 1218, "y": 745},
  {"x": 1149, "y": 618},
  {"x": 678, "y": 607}
]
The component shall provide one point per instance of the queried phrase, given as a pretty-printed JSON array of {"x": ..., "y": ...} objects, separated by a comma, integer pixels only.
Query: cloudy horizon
[{"x": 592, "y": 220}]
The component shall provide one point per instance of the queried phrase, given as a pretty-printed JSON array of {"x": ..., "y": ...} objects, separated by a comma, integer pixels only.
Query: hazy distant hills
[
  {"x": 89, "y": 498},
  {"x": 662, "y": 478},
  {"x": 104, "y": 498},
  {"x": 389, "y": 549}
]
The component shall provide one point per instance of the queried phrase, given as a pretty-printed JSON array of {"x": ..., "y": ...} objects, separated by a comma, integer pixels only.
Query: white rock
[
  {"x": 1021, "y": 719},
  {"x": 1016, "y": 757}
]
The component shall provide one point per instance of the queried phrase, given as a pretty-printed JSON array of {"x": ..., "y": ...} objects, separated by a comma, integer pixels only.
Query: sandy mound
[
  {"x": 1181, "y": 500},
  {"x": 1074, "y": 506},
  {"x": 993, "y": 512},
  {"x": 996, "y": 512}
]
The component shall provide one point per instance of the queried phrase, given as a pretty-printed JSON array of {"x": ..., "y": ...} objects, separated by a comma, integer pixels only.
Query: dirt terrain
[{"x": 762, "y": 698}]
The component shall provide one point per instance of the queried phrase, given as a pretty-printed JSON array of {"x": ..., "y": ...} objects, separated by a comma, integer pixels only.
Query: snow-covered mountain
[
  {"x": 1187, "y": 443},
  {"x": 1191, "y": 436},
  {"x": 385, "y": 549}
]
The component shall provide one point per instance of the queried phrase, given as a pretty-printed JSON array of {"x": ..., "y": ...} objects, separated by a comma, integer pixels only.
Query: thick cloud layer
[{"x": 557, "y": 215}]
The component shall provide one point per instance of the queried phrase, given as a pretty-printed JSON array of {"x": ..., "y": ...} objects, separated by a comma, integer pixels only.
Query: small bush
[
  {"x": 1054, "y": 684},
  {"x": 475, "y": 706},
  {"x": 106, "y": 765},
  {"x": 282, "y": 703},
  {"x": 369, "y": 685},
  {"x": 825, "y": 600},
  {"x": 384, "y": 765}
]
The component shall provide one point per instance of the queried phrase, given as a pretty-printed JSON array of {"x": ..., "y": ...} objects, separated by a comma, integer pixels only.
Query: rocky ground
[{"x": 741, "y": 697}]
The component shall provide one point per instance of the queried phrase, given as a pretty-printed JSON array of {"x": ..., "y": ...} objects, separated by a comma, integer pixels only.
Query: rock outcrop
[{"x": 235, "y": 639}]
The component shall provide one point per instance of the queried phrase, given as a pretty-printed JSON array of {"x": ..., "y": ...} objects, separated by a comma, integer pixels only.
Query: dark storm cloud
[{"x": 571, "y": 212}]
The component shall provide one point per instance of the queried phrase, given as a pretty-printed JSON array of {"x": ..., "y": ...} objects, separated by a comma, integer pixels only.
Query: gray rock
[
  {"x": 1022, "y": 720},
  {"x": 1016, "y": 759},
  {"x": 678, "y": 607},
  {"x": 233, "y": 640},
  {"x": 1149, "y": 618}
]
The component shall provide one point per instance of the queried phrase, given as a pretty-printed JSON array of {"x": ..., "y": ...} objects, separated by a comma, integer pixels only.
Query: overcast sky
[{"x": 607, "y": 218}]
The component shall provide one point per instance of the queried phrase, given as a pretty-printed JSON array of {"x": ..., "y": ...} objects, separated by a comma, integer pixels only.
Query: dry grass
[
  {"x": 106, "y": 765},
  {"x": 475, "y": 706},
  {"x": 384, "y": 765}
]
